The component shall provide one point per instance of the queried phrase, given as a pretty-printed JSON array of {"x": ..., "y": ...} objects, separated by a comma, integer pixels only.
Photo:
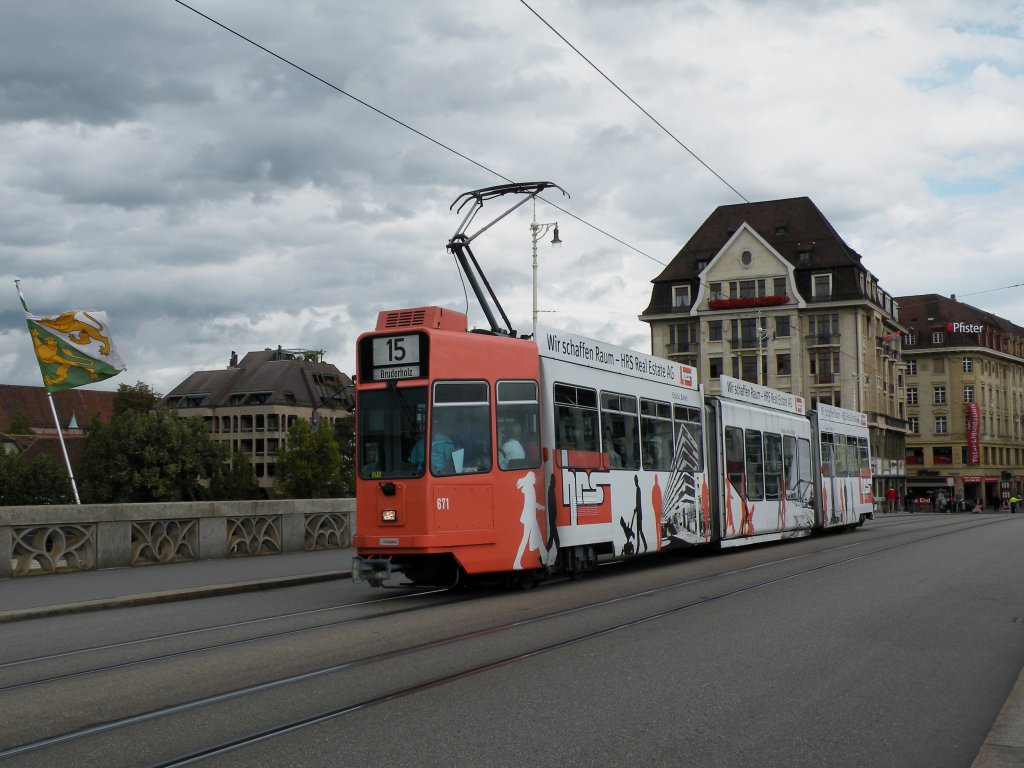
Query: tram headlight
[{"x": 389, "y": 515}]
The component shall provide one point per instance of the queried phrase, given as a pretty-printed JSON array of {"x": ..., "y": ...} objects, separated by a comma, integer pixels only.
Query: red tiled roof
[{"x": 81, "y": 404}]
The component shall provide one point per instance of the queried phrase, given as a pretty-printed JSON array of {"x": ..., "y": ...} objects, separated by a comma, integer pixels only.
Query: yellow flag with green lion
[{"x": 73, "y": 348}]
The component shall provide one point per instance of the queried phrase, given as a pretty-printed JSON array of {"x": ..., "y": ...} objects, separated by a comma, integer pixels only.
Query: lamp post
[
  {"x": 762, "y": 339},
  {"x": 537, "y": 231}
]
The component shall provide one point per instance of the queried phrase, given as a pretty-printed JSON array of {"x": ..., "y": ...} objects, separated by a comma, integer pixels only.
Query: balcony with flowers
[{"x": 749, "y": 302}]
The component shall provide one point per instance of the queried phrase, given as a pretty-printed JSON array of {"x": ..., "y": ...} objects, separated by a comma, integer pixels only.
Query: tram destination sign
[{"x": 396, "y": 357}]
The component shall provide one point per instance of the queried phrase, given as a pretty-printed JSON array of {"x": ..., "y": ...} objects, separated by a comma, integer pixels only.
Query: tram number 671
[{"x": 443, "y": 502}]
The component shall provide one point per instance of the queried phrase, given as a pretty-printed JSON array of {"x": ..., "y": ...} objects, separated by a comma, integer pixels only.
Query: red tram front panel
[{"x": 449, "y": 462}]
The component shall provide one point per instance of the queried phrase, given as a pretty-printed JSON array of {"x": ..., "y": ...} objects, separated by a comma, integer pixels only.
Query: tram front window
[
  {"x": 460, "y": 428},
  {"x": 391, "y": 421}
]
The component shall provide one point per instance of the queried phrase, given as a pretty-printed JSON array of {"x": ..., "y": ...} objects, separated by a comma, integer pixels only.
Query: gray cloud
[{"x": 211, "y": 198}]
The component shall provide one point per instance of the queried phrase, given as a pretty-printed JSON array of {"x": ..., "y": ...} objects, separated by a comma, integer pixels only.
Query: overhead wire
[
  {"x": 634, "y": 102},
  {"x": 463, "y": 156},
  {"x": 990, "y": 290},
  {"x": 403, "y": 124}
]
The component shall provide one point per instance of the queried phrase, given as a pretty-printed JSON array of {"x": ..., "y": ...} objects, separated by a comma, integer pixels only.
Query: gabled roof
[
  {"x": 81, "y": 405},
  {"x": 791, "y": 227}
]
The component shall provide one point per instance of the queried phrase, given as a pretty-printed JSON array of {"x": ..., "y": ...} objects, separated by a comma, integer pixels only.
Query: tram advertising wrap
[{"x": 508, "y": 459}]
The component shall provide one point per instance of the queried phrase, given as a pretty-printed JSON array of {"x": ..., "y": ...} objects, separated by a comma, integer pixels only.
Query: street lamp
[
  {"x": 762, "y": 340},
  {"x": 537, "y": 231}
]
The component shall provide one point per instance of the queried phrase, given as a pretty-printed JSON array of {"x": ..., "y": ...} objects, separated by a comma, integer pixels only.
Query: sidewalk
[{"x": 30, "y": 597}]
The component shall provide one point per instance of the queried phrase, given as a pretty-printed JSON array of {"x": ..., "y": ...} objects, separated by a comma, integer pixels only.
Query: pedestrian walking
[{"x": 1013, "y": 504}]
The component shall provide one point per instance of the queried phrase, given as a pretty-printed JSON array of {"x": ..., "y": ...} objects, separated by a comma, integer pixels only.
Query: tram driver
[{"x": 441, "y": 448}]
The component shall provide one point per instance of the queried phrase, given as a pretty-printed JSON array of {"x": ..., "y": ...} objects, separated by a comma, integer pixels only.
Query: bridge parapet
[{"x": 65, "y": 538}]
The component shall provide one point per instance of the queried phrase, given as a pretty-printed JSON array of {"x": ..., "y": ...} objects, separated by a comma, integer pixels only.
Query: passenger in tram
[
  {"x": 473, "y": 435},
  {"x": 531, "y": 447},
  {"x": 511, "y": 449},
  {"x": 653, "y": 455}
]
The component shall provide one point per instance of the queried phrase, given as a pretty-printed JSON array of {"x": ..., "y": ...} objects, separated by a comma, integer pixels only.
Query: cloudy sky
[{"x": 211, "y": 198}]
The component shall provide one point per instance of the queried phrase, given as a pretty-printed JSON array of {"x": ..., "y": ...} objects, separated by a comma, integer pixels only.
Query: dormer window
[
  {"x": 701, "y": 265},
  {"x": 680, "y": 297},
  {"x": 821, "y": 285}
]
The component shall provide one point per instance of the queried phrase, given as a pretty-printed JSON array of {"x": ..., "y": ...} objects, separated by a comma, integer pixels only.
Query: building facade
[
  {"x": 965, "y": 401},
  {"x": 250, "y": 405},
  {"x": 770, "y": 293}
]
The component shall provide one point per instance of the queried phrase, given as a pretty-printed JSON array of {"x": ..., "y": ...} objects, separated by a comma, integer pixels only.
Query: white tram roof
[{"x": 580, "y": 350}]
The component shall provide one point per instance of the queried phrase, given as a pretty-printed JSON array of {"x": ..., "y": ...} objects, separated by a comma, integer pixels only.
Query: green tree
[
  {"x": 345, "y": 437},
  {"x": 309, "y": 466},
  {"x": 235, "y": 481},
  {"x": 146, "y": 456},
  {"x": 137, "y": 397},
  {"x": 20, "y": 425},
  {"x": 39, "y": 481}
]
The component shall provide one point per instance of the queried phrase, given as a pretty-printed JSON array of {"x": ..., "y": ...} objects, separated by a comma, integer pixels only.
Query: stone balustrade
[{"x": 66, "y": 537}]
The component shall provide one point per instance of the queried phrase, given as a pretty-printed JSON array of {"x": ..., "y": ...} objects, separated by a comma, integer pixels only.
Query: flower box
[{"x": 751, "y": 301}]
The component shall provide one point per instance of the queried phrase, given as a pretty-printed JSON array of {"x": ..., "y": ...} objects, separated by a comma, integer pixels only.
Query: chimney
[{"x": 234, "y": 360}]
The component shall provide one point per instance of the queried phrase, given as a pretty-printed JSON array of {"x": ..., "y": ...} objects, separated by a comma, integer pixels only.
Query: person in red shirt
[{"x": 890, "y": 500}]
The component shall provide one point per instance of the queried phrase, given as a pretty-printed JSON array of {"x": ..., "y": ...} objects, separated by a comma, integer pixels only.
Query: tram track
[
  {"x": 98, "y": 649},
  {"x": 470, "y": 669}
]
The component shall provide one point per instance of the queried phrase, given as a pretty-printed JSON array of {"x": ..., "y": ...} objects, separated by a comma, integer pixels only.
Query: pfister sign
[{"x": 957, "y": 327}]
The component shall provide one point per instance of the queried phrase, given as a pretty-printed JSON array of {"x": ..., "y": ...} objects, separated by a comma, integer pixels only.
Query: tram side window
[
  {"x": 734, "y": 457},
  {"x": 864, "y": 456},
  {"x": 460, "y": 428},
  {"x": 518, "y": 419},
  {"x": 790, "y": 466},
  {"x": 575, "y": 418},
  {"x": 619, "y": 423},
  {"x": 773, "y": 478},
  {"x": 828, "y": 455},
  {"x": 806, "y": 482},
  {"x": 755, "y": 465},
  {"x": 852, "y": 460},
  {"x": 390, "y": 422},
  {"x": 689, "y": 438},
  {"x": 842, "y": 456},
  {"x": 656, "y": 434}
]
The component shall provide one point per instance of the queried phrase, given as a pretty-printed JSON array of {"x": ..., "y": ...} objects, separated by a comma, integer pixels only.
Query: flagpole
[
  {"x": 56, "y": 421},
  {"x": 63, "y": 448}
]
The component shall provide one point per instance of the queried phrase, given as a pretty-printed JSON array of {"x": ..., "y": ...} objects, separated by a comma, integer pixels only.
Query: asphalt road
[{"x": 893, "y": 645}]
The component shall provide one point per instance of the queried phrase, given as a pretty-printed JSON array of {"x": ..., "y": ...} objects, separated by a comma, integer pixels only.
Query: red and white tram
[{"x": 486, "y": 455}]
